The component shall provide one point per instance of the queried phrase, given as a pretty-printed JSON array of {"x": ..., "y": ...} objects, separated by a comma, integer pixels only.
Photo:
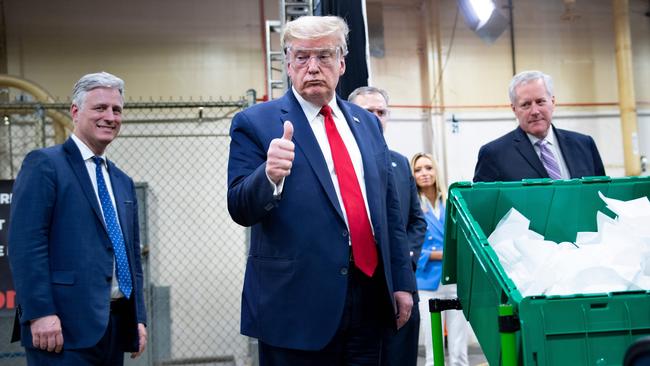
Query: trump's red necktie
[{"x": 364, "y": 251}]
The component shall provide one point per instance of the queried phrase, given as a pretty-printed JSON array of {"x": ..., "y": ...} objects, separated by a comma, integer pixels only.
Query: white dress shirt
[{"x": 317, "y": 124}]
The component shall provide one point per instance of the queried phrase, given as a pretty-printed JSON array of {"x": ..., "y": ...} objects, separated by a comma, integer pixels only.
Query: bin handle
[{"x": 596, "y": 179}]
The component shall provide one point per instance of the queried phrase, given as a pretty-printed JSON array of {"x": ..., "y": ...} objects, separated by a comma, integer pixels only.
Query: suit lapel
[
  {"x": 305, "y": 140},
  {"x": 566, "y": 146},
  {"x": 371, "y": 174},
  {"x": 525, "y": 148},
  {"x": 120, "y": 194},
  {"x": 441, "y": 219},
  {"x": 437, "y": 224},
  {"x": 120, "y": 199},
  {"x": 79, "y": 168}
]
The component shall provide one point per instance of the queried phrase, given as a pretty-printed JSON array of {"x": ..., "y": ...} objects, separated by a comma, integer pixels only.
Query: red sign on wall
[{"x": 7, "y": 293}]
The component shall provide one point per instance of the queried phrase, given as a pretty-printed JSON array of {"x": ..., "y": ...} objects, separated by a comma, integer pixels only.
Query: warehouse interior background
[
  {"x": 215, "y": 49},
  {"x": 190, "y": 65}
]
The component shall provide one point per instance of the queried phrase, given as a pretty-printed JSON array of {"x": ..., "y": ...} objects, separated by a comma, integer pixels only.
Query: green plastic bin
[{"x": 581, "y": 329}]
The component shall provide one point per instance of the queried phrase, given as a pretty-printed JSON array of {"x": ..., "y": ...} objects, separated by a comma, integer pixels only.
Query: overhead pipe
[
  {"x": 62, "y": 123},
  {"x": 627, "y": 101}
]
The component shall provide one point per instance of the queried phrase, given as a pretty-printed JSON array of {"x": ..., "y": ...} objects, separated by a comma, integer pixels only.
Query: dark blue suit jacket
[
  {"x": 512, "y": 157},
  {"x": 296, "y": 273},
  {"x": 60, "y": 254},
  {"x": 401, "y": 348},
  {"x": 412, "y": 215}
]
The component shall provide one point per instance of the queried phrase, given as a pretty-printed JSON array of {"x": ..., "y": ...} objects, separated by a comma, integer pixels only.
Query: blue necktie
[{"x": 114, "y": 231}]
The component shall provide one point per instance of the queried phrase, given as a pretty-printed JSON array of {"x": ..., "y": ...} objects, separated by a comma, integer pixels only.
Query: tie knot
[
  {"x": 541, "y": 143},
  {"x": 326, "y": 111},
  {"x": 98, "y": 160}
]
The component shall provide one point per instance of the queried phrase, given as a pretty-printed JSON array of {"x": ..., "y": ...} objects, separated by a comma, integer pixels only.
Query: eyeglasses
[{"x": 300, "y": 57}]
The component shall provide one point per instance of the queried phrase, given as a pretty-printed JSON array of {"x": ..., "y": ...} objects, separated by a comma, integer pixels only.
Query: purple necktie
[{"x": 548, "y": 159}]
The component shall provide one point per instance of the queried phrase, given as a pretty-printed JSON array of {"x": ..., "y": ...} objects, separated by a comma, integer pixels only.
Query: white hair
[
  {"x": 527, "y": 76},
  {"x": 89, "y": 82}
]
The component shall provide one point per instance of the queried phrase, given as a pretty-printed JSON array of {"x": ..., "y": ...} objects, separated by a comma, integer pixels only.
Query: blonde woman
[{"x": 433, "y": 195}]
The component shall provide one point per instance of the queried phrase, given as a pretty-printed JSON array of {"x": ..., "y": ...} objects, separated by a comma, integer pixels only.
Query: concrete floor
[{"x": 474, "y": 354}]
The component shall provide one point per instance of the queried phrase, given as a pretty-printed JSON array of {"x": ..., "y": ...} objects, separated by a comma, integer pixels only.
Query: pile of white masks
[{"x": 615, "y": 258}]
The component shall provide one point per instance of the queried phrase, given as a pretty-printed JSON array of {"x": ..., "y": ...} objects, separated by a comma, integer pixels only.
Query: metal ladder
[{"x": 276, "y": 72}]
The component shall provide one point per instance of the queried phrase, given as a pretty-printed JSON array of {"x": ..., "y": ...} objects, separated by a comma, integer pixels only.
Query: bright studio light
[
  {"x": 483, "y": 18},
  {"x": 483, "y": 10}
]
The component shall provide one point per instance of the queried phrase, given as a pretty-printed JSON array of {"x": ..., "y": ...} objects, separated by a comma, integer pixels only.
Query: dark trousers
[
  {"x": 401, "y": 348},
  {"x": 357, "y": 341},
  {"x": 109, "y": 351}
]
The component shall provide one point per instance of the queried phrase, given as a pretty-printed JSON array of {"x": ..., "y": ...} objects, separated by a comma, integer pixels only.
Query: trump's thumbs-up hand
[{"x": 279, "y": 157}]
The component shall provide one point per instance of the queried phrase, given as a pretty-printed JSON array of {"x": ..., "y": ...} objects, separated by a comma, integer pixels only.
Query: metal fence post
[
  {"x": 40, "y": 112},
  {"x": 251, "y": 97}
]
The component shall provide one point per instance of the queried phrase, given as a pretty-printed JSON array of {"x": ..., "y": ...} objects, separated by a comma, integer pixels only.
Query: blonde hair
[
  {"x": 313, "y": 27},
  {"x": 441, "y": 187}
]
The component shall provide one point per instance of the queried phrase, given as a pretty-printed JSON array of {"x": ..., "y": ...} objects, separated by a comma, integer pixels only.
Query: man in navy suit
[
  {"x": 63, "y": 241},
  {"x": 521, "y": 153},
  {"x": 401, "y": 348},
  {"x": 328, "y": 268}
]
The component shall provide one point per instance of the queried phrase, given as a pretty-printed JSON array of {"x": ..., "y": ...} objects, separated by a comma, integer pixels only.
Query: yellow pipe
[
  {"x": 627, "y": 100},
  {"x": 62, "y": 123}
]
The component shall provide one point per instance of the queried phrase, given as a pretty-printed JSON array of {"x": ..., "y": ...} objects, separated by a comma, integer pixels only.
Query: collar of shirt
[
  {"x": 317, "y": 125},
  {"x": 550, "y": 137},
  {"x": 312, "y": 111},
  {"x": 434, "y": 208},
  {"x": 86, "y": 153},
  {"x": 555, "y": 149}
]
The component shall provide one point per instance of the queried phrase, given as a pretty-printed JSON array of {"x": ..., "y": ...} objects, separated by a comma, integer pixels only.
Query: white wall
[
  {"x": 162, "y": 49},
  {"x": 579, "y": 55}
]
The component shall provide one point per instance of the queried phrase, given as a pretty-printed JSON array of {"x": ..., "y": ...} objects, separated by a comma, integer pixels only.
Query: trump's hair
[{"x": 312, "y": 27}]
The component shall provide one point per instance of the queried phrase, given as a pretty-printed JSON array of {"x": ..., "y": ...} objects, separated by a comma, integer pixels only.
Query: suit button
[
  {"x": 344, "y": 271},
  {"x": 344, "y": 233},
  {"x": 109, "y": 279}
]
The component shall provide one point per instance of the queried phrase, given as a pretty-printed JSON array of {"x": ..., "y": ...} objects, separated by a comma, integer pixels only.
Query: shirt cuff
[{"x": 277, "y": 188}]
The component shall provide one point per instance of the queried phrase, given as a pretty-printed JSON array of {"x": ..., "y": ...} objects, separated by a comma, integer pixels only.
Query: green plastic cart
[{"x": 581, "y": 329}]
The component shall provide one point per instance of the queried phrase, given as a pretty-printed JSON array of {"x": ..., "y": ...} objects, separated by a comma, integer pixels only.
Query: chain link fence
[{"x": 193, "y": 254}]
